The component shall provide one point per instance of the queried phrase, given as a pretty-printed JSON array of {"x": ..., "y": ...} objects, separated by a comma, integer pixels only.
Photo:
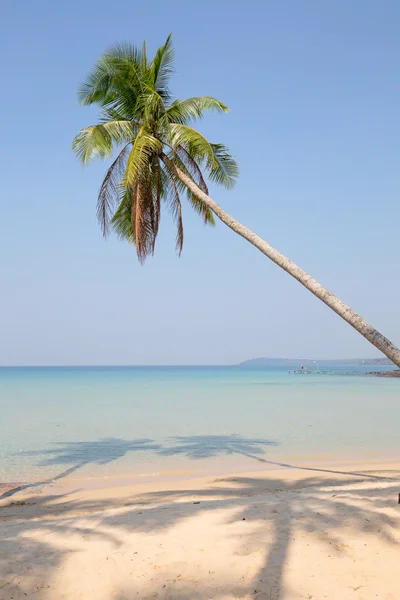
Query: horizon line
[{"x": 129, "y": 365}]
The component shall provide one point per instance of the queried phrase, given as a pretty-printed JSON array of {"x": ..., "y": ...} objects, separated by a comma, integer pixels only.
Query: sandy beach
[{"x": 282, "y": 534}]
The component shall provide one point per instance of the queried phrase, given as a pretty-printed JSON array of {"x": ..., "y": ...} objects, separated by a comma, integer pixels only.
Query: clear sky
[{"x": 314, "y": 91}]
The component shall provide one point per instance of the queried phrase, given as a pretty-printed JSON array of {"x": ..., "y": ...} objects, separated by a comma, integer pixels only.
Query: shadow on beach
[
  {"x": 249, "y": 521},
  {"x": 260, "y": 516},
  {"x": 101, "y": 452},
  {"x": 208, "y": 446},
  {"x": 81, "y": 454},
  {"x": 107, "y": 450}
]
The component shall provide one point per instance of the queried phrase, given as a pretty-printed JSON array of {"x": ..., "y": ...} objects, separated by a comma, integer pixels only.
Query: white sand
[{"x": 278, "y": 535}]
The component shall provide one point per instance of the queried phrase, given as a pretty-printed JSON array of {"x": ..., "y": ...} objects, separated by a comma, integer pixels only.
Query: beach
[
  {"x": 181, "y": 483},
  {"x": 282, "y": 533}
]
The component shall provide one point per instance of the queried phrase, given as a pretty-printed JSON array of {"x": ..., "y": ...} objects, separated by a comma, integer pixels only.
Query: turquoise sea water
[{"x": 107, "y": 421}]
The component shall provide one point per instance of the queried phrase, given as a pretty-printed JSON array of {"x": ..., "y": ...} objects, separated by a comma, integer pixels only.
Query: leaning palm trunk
[{"x": 365, "y": 329}]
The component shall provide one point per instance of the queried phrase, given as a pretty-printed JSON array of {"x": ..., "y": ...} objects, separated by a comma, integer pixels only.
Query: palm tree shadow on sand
[
  {"x": 81, "y": 454},
  {"x": 269, "y": 512},
  {"x": 208, "y": 446},
  {"x": 329, "y": 509},
  {"x": 287, "y": 514}
]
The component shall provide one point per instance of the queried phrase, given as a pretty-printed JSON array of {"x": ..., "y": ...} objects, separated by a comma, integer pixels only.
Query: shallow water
[{"x": 119, "y": 420}]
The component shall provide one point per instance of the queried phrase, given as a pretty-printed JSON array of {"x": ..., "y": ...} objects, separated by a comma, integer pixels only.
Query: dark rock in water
[{"x": 386, "y": 373}]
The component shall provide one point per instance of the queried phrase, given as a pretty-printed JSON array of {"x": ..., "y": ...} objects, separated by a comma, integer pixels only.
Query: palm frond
[
  {"x": 95, "y": 87},
  {"x": 198, "y": 205},
  {"x": 157, "y": 191},
  {"x": 194, "y": 142},
  {"x": 128, "y": 86},
  {"x": 137, "y": 216},
  {"x": 225, "y": 169},
  {"x": 185, "y": 111},
  {"x": 121, "y": 221},
  {"x": 141, "y": 219},
  {"x": 191, "y": 166},
  {"x": 116, "y": 81},
  {"x": 98, "y": 141},
  {"x": 175, "y": 207},
  {"x": 125, "y": 52},
  {"x": 102, "y": 80},
  {"x": 179, "y": 229},
  {"x": 145, "y": 214},
  {"x": 151, "y": 106},
  {"x": 144, "y": 56},
  {"x": 109, "y": 193},
  {"x": 162, "y": 67},
  {"x": 202, "y": 209},
  {"x": 143, "y": 148}
]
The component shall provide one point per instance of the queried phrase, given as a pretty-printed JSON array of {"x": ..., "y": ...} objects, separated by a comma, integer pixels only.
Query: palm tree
[{"x": 160, "y": 156}]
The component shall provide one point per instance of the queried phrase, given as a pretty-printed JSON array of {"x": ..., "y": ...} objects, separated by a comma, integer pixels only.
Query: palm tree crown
[{"x": 148, "y": 130}]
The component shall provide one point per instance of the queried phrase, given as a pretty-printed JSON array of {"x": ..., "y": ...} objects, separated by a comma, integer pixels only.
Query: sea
[{"x": 105, "y": 422}]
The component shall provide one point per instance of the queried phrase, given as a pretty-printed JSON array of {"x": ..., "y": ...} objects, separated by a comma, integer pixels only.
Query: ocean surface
[{"x": 137, "y": 421}]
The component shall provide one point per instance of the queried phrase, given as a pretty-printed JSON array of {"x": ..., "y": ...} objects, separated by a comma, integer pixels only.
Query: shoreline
[
  {"x": 125, "y": 484},
  {"x": 201, "y": 470}
]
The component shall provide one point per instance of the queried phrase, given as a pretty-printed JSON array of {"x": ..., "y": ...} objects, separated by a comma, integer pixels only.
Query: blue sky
[{"x": 313, "y": 89}]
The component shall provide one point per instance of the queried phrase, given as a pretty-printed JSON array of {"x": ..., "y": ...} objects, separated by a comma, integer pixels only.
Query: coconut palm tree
[{"x": 160, "y": 156}]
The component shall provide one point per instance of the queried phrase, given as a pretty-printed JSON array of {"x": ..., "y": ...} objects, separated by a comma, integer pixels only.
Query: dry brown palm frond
[
  {"x": 179, "y": 227},
  {"x": 156, "y": 172},
  {"x": 144, "y": 215},
  {"x": 199, "y": 206},
  {"x": 192, "y": 168},
  {"x": 109, "y": 191},
  {"x": 134, "y": 213},
  {"x": 175, "y": 207}
]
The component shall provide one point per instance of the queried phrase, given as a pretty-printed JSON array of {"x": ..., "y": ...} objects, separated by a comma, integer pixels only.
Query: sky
[{"x": 313, "y": 89}]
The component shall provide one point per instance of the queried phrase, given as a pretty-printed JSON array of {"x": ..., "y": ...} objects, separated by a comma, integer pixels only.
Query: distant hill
[{"x": 295, "y": 362}]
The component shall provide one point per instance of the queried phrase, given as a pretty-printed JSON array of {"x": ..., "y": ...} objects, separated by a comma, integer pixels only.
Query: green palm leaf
[
  {"x": 185, "y": 111},
  {"x": 98, "y": 141},
  {"x": 225, "y": 169},
  {"x": 162, "y": 68},
  {"x": 143, "y": 149},
  {"x": 190, "y": 139},
  {"x": 121, "y": 221}
]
